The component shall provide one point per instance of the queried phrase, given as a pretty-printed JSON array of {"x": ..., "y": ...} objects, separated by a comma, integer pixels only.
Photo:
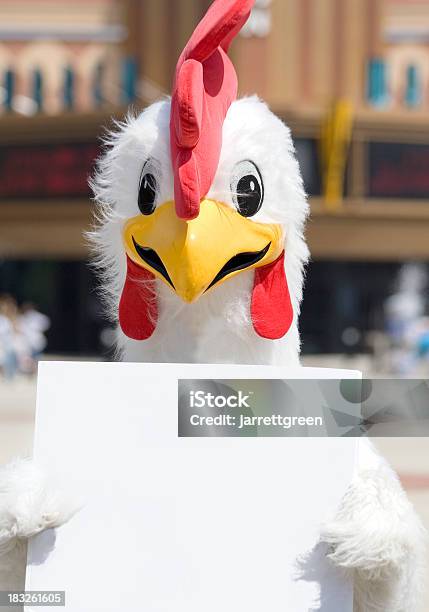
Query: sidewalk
[{"x": 17, "y": 407}]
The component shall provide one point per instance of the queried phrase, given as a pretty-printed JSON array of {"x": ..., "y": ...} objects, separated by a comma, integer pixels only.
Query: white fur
[
  {"x": 376, "y": 535},
  {"x": 217, "y": 328},
  {"x": 29, "y": 504}
]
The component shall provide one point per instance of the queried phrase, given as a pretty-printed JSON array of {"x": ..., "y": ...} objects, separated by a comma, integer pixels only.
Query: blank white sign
[{"x": 174, "y": 524}]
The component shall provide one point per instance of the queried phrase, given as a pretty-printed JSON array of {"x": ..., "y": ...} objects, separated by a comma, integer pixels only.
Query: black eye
[
  {"x": 247, "y": 188},
  {"x": 147, "y": 193}
]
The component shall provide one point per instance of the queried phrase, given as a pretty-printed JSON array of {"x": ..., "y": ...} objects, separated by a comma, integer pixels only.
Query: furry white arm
[
  {"x": 29, "y": 504},
  {"x": 378, "y": 538}
]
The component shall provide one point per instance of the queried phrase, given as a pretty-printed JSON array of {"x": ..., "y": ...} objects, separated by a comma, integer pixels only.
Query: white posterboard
[{"x": 173, "y": 524}]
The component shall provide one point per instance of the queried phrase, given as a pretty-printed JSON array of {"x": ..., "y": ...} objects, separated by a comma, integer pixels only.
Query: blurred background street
[{"x": 350, "y": 78}]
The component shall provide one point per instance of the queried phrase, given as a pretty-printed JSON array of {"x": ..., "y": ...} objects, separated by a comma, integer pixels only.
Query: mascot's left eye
[
  {"x": 147, "y": 193},
  {"x": 247, "y": 188}
]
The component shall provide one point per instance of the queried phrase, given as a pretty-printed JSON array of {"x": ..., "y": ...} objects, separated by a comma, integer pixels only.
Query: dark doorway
[{"x": 340, "y": 296}]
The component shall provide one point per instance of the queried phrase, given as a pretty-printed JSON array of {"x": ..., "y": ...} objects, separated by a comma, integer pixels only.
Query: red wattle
[
  {"x": 271, "y": 308},
  {"x": 138, "y": 307}
]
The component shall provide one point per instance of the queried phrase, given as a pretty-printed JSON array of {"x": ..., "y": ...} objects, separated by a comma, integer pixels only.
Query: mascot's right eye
[{"x": 147, "y": 193}]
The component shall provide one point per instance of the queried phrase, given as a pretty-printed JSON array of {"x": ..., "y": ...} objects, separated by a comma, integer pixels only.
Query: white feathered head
[{"x": 201, "y": 208}]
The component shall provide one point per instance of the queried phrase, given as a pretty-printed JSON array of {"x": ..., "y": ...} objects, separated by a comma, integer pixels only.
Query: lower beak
[{"x": 193, "y": 256}]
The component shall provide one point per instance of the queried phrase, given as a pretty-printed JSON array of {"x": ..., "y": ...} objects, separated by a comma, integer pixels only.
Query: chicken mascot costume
[{"x": 199, "y": 241}]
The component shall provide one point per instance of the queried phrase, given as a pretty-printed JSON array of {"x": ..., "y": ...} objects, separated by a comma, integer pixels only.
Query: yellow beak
[{"x": 193, "y": 256}]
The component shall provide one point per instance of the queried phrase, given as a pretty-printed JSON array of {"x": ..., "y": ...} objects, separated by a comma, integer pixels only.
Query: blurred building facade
[
  {"x": 405, "y": 31},
  {"x": 44, "y": 43},
  {"x": 294, "y": 53},
  {"x": 67, "y": 67},
  {"x": 291, "y": 52},
  {"x": 300, "y": 52}
]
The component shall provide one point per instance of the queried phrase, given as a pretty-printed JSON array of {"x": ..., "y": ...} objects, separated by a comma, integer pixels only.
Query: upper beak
[{"x": 193, "y": 256}]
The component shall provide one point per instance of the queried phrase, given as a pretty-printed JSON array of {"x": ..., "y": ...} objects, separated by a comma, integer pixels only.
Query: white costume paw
[
  {"x": 377, "y": 537},
  {"x": 29, "y": 504}
]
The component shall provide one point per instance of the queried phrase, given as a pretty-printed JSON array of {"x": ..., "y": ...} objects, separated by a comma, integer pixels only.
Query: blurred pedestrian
[
  {"x": 406, "y": 324},
  {"x": 8, "y": 354},
  {"x": 33, "y": 325}
]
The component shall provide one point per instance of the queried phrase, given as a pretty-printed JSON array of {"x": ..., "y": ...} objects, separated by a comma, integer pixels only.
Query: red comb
[{"x": 204, "y": 88}]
